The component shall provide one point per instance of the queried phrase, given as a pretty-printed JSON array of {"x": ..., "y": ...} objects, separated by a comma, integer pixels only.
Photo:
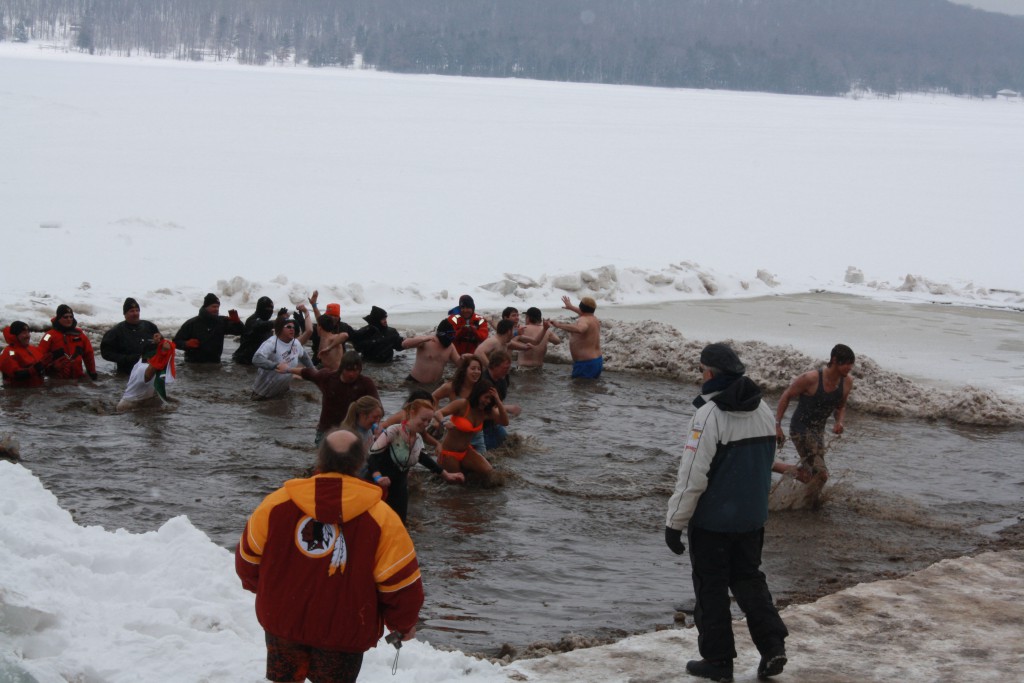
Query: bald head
[{"x": 340, "y": 451}]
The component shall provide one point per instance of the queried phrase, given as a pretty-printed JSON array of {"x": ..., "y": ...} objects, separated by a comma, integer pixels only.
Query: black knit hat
[
  {"x": 17, "y": 327},
  {"x": 722, "y": 356},
  {"x": 62, "y": 310},
  {"x": 129, "y": 304},
  {"x": 210, "y": 299},
  {"x": 466, "y": 301},
  {"x": 376, "y": 315}
]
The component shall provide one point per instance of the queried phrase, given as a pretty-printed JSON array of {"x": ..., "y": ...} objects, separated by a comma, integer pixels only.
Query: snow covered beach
[{"x": 163, "y": 181}]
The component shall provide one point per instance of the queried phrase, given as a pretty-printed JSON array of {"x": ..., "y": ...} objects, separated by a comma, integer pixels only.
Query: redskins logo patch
[{"x": 315, "y": 539}]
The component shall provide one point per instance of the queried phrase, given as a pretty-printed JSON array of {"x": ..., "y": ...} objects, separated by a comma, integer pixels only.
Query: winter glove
[
  {"x": 674, "y": 540},
  {"x": 40, "y": 368},
  {"x": 233, "y": 316},
  {"x": 57, "y": 354},
  {"x": 283, "y": 312},
  {"x": 192, "y": 344},
  {"x": 93, "y": 376}
]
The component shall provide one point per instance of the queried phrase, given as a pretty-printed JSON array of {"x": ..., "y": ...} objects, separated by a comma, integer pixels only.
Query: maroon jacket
[{"x": 330, "y": 564}]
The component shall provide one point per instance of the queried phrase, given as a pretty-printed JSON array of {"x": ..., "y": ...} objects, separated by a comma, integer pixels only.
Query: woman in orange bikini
[{"x": 466, "y": 419}]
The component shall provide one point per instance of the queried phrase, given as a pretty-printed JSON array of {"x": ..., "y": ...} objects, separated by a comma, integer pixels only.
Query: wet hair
[
  {"x": 459, "y": 379},
  {"x": 533, "y": 315},
  {"x": 419, "y": 395},
  {"x": 419, "y": 404},
  {"x": 509, "y": 310},
  {"x": 364, "y": 405},
  {"x": 344, "y": 462},
  {"x": 497, "y": 357},
  {"x": 330, "y": 323},
  {"x": 504, "y": 326},
  {"x": 841, "y": 354},
  {"x": 351, "y": 360},
  {"x": 481, "y": 388}
]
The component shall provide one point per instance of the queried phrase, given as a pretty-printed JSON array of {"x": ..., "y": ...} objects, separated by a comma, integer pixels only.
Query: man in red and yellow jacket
[
  {"x": 20, "y": 363},
  {"x": 331, "y": 565},
  {"x": 65, "y": 348}
]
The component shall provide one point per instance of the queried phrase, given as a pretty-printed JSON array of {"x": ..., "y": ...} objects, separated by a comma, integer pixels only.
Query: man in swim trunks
[
  {"x": 432, "y": 354},
  {"x": 821, "y": 393},
  {"x": 584, "y": 338}
]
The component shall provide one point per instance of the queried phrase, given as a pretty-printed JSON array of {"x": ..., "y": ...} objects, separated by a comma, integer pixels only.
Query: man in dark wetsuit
[
  {"x": 125, "y": 342},
  {"x": 259, "y": 327},
  {"x": 822, "y": 393}
]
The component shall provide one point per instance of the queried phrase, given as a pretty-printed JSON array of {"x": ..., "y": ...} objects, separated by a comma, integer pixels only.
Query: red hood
[{"x": 10, "y": 338}]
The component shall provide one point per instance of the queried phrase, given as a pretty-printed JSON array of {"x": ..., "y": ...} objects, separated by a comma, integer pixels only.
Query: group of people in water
[{"x": 467, "y": 414}]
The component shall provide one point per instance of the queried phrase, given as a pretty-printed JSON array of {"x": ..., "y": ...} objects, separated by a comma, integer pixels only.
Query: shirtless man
[
  {"x": 821, "y": 393},
  {"x": 501, "y": 340},
  {"x": 432, "y": 354},
  {"x": 538, "y": 335},
  {"x": 584, "y": 338}
]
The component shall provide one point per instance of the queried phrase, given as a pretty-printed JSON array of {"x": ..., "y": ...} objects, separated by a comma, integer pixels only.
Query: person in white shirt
[{"x": 275, "y": 357}]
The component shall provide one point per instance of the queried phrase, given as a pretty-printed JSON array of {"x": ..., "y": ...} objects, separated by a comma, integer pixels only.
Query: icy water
[{"x": 571, "y": 545}]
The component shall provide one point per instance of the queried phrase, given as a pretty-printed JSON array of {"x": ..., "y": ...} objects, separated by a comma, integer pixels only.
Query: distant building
[{"x": 1008, "y": 94}]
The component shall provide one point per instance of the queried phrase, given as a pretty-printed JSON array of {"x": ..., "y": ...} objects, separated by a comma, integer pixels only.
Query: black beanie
[
  {"x": 722, "y": 356},
  {"x": 466, "y": 301},
  {"x": 62, "y": 309},
  {"x": 210, "y": 299},
  {"x": 129, "y": 304},
  {"x": 376, "y": 315},
  {"x": 17, "y": 327}
]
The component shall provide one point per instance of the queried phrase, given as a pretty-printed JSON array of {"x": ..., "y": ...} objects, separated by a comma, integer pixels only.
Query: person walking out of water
[
  {"x": 66, "y": 351},
  {"x": 821, "y": 393},
  {"x": 202, "y": 337},
  {"x": 721, "y": 500},
  {"x": 20, "y": 362},
  {"x": 125, "y": 342},
  {"x": 331, "y": 565},
  {"x": 398, "y": 449},
  {"x": 584, "y": 338},
  {"x": 467, "y": 420},
  {"x": 339, "y": 390}
]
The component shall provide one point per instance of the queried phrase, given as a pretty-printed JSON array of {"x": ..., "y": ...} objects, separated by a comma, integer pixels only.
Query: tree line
[{"x": 820, "y": 47}]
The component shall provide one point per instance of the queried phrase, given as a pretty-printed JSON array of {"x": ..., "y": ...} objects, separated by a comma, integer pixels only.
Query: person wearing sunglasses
[{"x": 275, "y": 358}]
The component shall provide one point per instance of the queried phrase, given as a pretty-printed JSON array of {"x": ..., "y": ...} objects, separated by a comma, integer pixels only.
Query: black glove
[
  {"x": 283, "y": 312},
  {"x": 93, "y": 376},
  {"x": 674, "y": 540},
  {"x": 57, "y": 354},
  {"x": 40, "y": 368}
]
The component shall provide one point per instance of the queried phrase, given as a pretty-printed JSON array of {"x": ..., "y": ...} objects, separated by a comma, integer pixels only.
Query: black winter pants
[{"x": 724, "y": 562}]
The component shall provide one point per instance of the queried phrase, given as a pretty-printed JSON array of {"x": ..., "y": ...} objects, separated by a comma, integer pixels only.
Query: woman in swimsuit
[
  {"x": 466, "y": 376},
  {"x": 466, "y": 416},
  {"x": 398, "y": 449}
]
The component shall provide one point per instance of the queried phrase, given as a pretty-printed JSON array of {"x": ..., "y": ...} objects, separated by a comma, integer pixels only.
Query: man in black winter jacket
[
  {"x": 125, "y": 342},
  {"x": 202, "y": 337}
]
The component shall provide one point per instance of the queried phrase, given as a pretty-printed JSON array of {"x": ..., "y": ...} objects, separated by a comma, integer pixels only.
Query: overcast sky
[{"x": 1007, "y": 6}]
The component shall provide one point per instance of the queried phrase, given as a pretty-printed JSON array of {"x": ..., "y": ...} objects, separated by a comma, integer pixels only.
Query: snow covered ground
[{"x": 163, "y": 180}]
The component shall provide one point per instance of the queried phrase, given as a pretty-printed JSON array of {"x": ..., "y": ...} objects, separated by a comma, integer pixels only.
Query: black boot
[
  {"x": 712, "y": 669},
  {"x": 771, "y": 664}
]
